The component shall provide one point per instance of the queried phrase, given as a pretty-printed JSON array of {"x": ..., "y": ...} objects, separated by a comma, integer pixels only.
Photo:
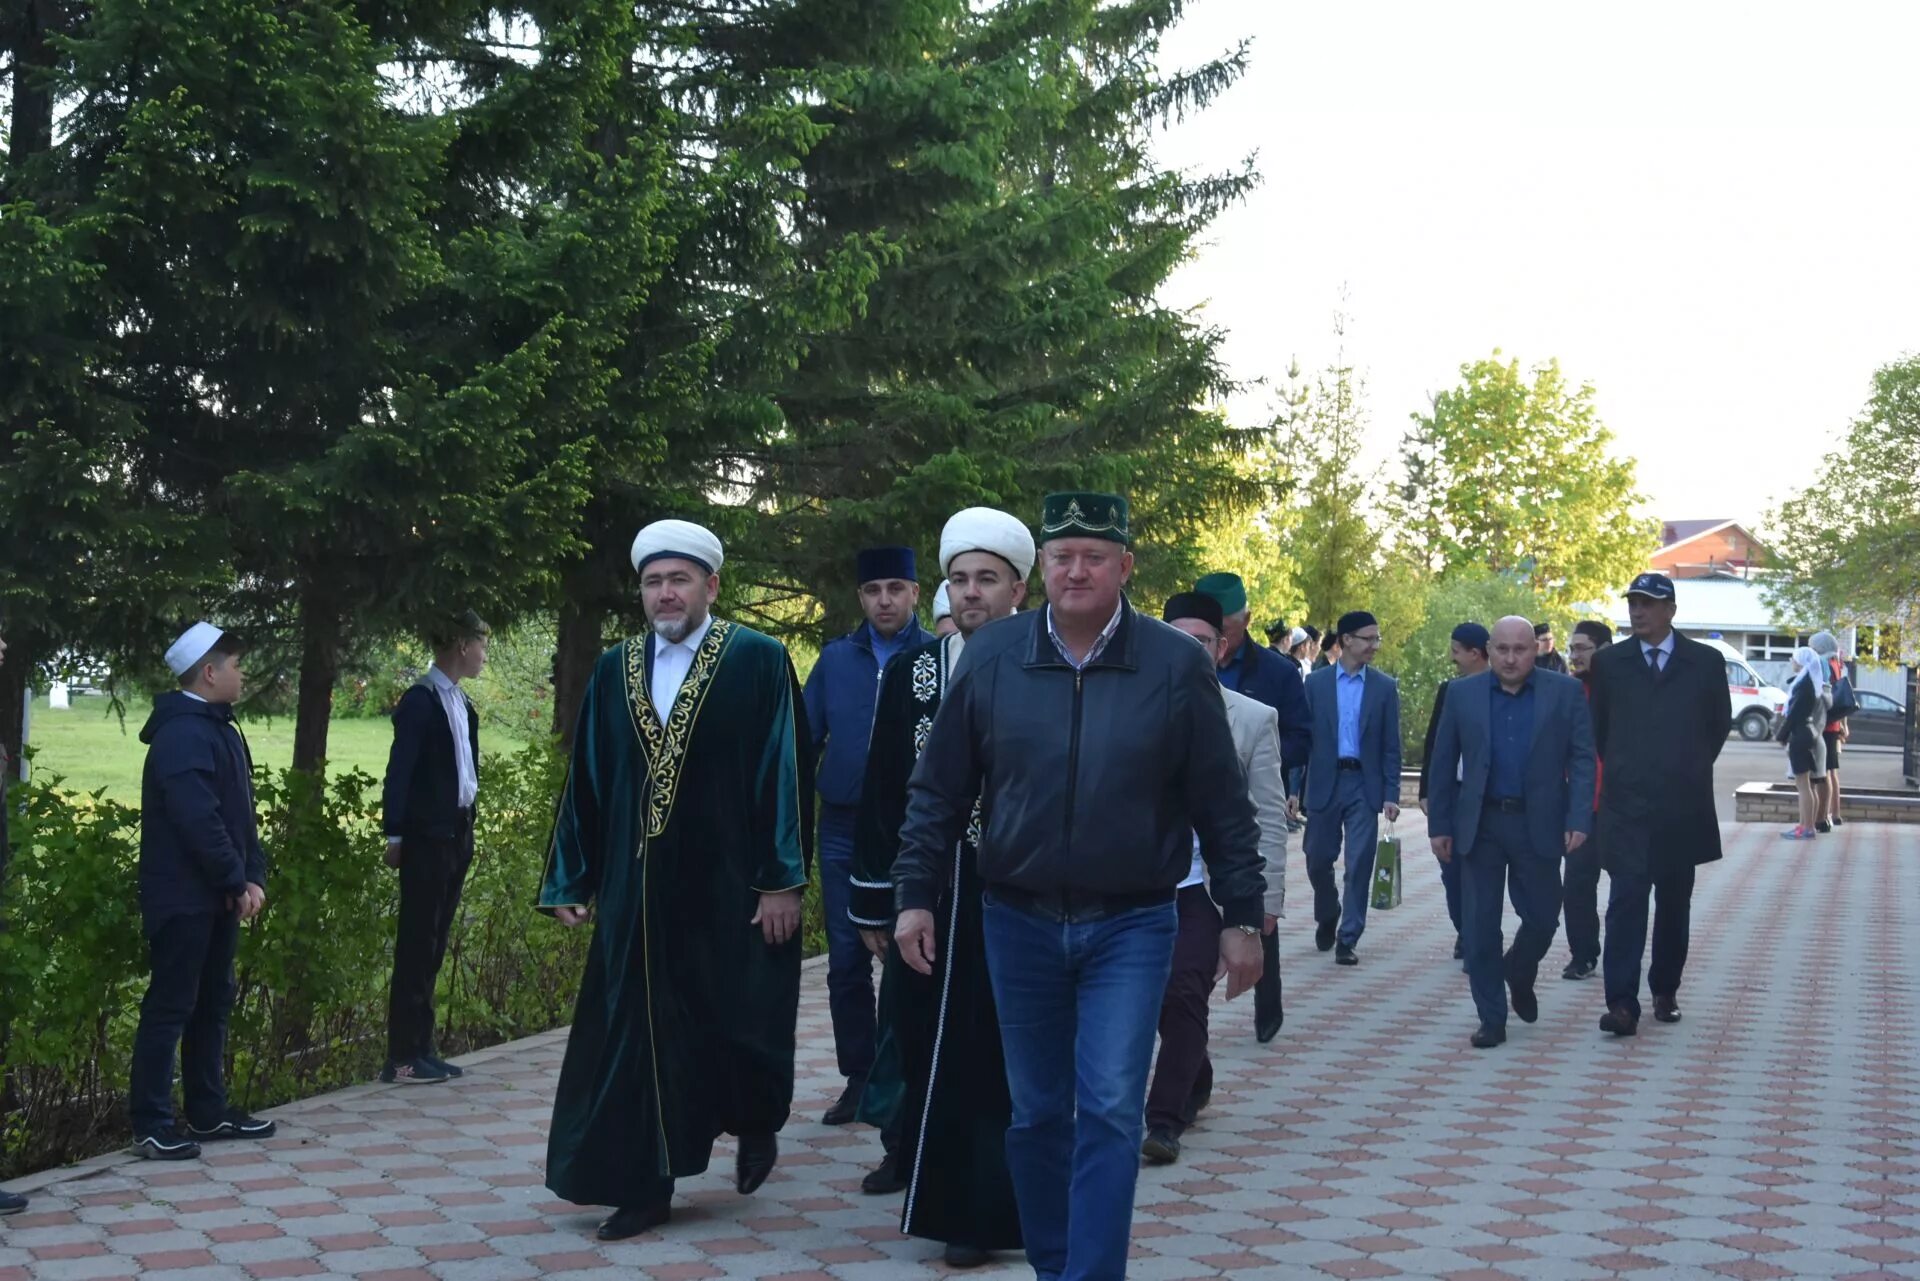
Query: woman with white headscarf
[{"x": 1806, "y": 717}]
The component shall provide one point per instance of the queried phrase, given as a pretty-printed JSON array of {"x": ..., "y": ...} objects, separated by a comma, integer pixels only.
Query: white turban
[
  {"x": 982, "y": 529},
  {"x": 194, "y": 644},
  {"x": 942, "y": 603},
  {"x": 678, "y": 540}
]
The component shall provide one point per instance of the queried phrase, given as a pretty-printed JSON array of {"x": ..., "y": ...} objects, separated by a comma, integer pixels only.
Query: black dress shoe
[
  {"x": 758, "y": 1152},
  {"x": 632, "y": 1220},
  {"x": 966, "y": 1256},
  {"x": 1666, "y": 1009},
  {"x": 1619, "y": 1020},
  {"x": 1577, "y": 970},
  {"x": 843, "y": 1112},
  {"x": 1489, "y": 1036},
  {"x": 1526, "y": 1005},
  {"x": 1161, "y": 1147},
  {"x": 885, "y": 1178},
  {"x": 1323, "y": 935},
  {"x": 1343, "y": 955}
]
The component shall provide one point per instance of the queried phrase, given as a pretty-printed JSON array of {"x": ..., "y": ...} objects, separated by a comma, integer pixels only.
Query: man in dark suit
[
  {"x": 1512, "y": 782},
  {"x": 1468, "y": 650},
  {"x": 1661, "y": 714},
  {"x": 432, "y": 782},
  {"x": 1353, "y": 776}
]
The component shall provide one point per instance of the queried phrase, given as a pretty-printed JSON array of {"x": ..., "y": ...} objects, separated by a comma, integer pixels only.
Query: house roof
[
  {"x": 1679, "y": 531},
  {"x": 1716, "y": 605}
]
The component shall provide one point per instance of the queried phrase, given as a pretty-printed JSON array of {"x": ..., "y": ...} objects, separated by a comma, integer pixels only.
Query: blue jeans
[
  {"x": 1359, "y": 823},
  {"x": 1078, "y": 1002},
  {"x": 849, "y": 965}
]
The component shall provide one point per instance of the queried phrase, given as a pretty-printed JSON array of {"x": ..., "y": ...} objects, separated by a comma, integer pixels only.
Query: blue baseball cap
[{"x": 1652, "y": 586}]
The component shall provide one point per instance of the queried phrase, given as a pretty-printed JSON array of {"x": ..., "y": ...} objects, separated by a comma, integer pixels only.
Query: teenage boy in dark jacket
[
  {"x": 432, "y": 781},
  {"x": 202, "y": 872}
]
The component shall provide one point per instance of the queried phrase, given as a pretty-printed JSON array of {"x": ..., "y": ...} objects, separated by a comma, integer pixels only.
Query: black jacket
[
  {"x": 1433, "y": 724},
  {"x": 422, "y": 794},
  {"x": 199, "y": 838},
  {"x": 1093, "y": 781},
  {"x": 1276, "y": 681},
  {"x": 1658, "y": 738}
]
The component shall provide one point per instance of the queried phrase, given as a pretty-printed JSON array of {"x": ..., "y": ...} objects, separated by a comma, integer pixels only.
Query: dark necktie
[{"x": 1653, "y": 660}]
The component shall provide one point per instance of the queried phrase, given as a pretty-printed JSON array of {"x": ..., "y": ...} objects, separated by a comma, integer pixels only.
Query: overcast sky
[{"x": 1709, "y": 211}]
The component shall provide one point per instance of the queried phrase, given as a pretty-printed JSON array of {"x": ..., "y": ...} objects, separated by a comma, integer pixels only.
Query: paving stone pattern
[{"x": 1774, "y": 1133}]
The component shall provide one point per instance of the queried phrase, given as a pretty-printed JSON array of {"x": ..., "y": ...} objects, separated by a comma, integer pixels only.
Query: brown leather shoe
[
  {"x": 1620, "y": 1020},
  {"x": 1666, "y": 1009}
]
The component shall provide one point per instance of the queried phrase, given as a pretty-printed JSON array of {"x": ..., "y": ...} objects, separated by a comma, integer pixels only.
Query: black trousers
[
  {"x": 1183, "y": 1066},
  {"x": 1671, "y": 889},
  {"x": 184, "y": 1013},
  {"x": 432, "y": 873},
  {"x": 1583, "y": 902}
]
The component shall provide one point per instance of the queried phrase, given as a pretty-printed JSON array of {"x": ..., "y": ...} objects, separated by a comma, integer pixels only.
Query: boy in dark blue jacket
[{"x": 202, "y": 872}]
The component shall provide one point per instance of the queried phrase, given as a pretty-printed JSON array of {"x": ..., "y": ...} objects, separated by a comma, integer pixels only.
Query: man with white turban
[
  {"x": 684, "y": 827},
  {"x": 939, "y": 1091}
]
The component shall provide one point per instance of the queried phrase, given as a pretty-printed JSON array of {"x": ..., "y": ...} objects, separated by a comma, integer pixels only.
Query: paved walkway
[{"x": 1774, "y": 1133}]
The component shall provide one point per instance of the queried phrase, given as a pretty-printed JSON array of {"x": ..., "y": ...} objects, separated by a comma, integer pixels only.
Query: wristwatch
[{"x": 1251, "y": 931}]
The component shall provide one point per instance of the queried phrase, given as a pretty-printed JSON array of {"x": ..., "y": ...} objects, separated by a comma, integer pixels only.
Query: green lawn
[{"x": 92, "y": 747}]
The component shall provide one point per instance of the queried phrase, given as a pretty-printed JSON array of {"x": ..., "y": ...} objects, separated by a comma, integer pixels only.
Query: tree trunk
[
  {"x": 320, "y": 638},
  {"x": 14, "y": 670},
  {"x": 576, "y": 649},
  {"x": 34, "y": 22}
]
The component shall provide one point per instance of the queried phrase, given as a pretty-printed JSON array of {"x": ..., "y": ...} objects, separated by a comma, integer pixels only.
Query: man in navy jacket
[
  {"x": 202, "y": 872},
  {"x": 840, "y": 695},
  {"x": 432, "y": 781},
  {"x": 1512, "y": 794}
]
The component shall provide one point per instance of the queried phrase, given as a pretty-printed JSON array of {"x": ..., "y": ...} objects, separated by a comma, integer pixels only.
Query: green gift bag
[{"x": 1386, "y": 871}]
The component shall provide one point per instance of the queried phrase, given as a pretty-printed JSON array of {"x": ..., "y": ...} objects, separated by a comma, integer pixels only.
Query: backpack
[{"x": 1845, "y": 701}]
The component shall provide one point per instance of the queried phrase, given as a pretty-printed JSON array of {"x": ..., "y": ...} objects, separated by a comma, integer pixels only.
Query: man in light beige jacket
[{"x": 1183, "y": 1077}]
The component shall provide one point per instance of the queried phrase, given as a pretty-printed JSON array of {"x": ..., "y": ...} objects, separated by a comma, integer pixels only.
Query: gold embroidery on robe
[{"x": 666, "y": 745}]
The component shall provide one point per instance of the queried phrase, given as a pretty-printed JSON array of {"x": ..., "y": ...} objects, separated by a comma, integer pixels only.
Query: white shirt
[
  {"x": 671, "y": 663},
  {"x": 454, "y": 704},
  {"x": 1666, "y": 651},
  {"x": 1197, "y": 873}
]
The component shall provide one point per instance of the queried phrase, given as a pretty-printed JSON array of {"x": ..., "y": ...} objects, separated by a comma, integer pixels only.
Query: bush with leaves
[{"x": 310, "y": 1010}]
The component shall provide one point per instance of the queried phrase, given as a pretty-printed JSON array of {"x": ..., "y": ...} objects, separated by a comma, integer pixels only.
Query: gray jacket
[{"x": 1089, "y": 782}]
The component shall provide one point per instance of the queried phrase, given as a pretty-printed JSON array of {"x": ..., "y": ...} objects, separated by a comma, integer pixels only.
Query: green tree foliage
[
  {"x": 1340, "y": 550},
  {"x": 1421, "y": 657},
  {"x": 1510, "y": 471},
  {"x": 1011, "y": 342},
  {"x": 1848, "y": 545}
]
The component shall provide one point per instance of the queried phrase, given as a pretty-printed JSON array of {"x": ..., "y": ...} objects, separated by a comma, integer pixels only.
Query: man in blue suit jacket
[
  {"x": 1511, "y": 793},
  {"x": 1353, "y": 776}
]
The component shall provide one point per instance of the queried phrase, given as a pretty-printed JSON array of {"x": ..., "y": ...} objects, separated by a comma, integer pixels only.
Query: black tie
[{"x": 1653, "y": 660}]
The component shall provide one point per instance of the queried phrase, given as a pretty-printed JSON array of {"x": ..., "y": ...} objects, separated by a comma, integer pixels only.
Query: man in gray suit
[
  {"x": 1353, "y": 776},
  {"x": 1511, "y": 793}
]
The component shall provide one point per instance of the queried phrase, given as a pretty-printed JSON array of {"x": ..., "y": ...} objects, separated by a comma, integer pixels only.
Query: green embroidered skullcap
[
  {"x": 1084, "y": 515},
  {"x": 1225, "y": 588}
]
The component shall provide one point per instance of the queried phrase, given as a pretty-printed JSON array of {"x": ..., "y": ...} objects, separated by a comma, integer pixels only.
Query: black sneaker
[
  {"x": 167, "y": 1145},
  {"x": 1823, "y": 826},
  {"x": 12, "y": 1203},
  {"x": 885, "y": 1178},
  {"x": 451, "y": 1069},
  {"x": 1577, "y": 970},
  {"x": 234, "y": 1125},
  {"x": 416, "y": 1072}
]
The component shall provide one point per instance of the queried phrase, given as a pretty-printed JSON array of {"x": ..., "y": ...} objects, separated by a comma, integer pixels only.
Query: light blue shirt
[{"x": 1349, "y": 690}]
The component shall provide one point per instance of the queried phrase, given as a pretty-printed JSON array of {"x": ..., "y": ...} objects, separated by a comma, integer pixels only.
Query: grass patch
[{"x": 94, "y": 749}]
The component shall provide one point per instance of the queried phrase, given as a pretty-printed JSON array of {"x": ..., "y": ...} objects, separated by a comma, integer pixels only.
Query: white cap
[
  {"x": 194, "y": 644},
  {"x": 942, "y": 603},
  {"x": 677, "y": 540},
  {"x": 983, "y": 529}
]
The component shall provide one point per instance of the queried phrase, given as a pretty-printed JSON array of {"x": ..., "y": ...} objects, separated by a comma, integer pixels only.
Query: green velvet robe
[{"x": 684, "y": 1028}]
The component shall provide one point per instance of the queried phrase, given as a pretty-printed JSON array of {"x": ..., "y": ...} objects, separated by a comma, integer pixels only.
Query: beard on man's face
[{"x": 673, "y": 630}]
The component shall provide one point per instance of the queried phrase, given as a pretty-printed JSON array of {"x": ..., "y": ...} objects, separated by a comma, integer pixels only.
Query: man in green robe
[{"x": 683, "y": 830}]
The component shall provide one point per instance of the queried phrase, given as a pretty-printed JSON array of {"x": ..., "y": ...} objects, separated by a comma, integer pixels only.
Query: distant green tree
[
  {"x": 1512, "y": 472},
  {"x": 1847, "y": 546}
]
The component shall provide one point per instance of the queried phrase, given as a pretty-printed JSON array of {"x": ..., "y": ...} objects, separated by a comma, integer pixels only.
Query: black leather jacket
[{"x": 1091, "y": 782}]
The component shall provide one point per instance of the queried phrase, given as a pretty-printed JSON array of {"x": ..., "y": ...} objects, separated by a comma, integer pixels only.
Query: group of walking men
[{"x": 1057, "y": 828}]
